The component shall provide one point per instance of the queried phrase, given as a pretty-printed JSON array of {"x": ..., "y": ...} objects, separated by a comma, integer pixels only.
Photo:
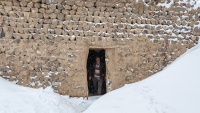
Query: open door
[{"x": 96, "y": 75}]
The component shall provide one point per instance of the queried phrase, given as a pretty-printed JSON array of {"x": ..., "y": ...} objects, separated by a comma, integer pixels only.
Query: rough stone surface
[{"x": 46, "y": 42}]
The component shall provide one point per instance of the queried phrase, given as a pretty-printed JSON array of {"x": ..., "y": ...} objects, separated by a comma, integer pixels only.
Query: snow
[
  {"x": 197, "y": 5},
  {"x": 19, "y": 99},
  {"x": 176, "y": 89},
  {"x": 197, "y": 25},
  {"x": 167, "y": 5}
]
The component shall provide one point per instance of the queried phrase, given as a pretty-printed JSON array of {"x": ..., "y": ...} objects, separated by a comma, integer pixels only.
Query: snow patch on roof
[
  {"x": 197, "y": 5},
  {"x": 167, "y": 5}
]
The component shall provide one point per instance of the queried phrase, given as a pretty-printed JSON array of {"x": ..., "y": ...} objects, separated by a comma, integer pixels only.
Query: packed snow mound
[
  {"x": 19, "y": 99},
  {"x": 176, "y": 89}
]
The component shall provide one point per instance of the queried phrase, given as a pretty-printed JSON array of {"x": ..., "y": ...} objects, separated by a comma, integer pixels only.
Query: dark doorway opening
[{"x": 91, "y": 69}]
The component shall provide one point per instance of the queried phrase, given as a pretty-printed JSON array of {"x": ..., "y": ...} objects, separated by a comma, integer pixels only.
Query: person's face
[{"x": 98, "y": 60}]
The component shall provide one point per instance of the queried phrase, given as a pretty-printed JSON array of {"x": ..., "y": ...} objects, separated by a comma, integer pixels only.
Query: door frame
[{"x": 109, "y": 68}]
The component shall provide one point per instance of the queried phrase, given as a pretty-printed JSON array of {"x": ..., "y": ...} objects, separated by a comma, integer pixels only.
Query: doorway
[{"x": 91, "y": 64}]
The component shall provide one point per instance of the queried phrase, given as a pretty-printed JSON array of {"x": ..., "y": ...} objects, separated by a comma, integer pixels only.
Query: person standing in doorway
[{"x": 97, "y": 72}]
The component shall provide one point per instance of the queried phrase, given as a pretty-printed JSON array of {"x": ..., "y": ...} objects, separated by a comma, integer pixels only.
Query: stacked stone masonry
[{"x": 46, "y": 42}]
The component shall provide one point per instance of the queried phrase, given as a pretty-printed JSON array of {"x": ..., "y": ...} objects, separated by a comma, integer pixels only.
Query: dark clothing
[
  {"x": 97, "y": 82},
  {"x": 97, "y": 77}
]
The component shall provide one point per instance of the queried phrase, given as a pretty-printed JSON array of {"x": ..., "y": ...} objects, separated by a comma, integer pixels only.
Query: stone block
[
  {"x": 96, "y": 19},
  {"x": 46, "y": 16},
  {"x": 59, "y": 7},
  {"x": 7, "y": 9},
  {"x": 42, "y": 10},
  {"x": 58, "y": 31},
  {"x": 26, "y": 9},
  {"x": 8, "y": 3},
  {"x": 26, "y": 14},
  {"x": 89, "y": 4},
  {"x": 52, "y": 6},
  {"x": 99, "y": 4},
  {"x": 22, "y": 3},
  {"x": 44, "y": 6},
  {"x": 75, "y": 17},
  {"x": 72, "y": 12},
  {"x": 67, "y": 7},
  {"x": 66, "y": 12},
  {"x": 53, "y": 16},
  {"x": 37, "y": 5},
  {"x": 74, "y": 7},
  {"x": 34, "y": 10},
  {"x": 49, "y": 11},
  {"x": 89, "y": 18},
  {"x": 61, "y": 17}
]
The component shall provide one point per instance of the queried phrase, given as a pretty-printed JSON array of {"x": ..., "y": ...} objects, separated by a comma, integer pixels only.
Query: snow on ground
[
  {"x": 176, "y": 89},
  {"x": 19, "y": 99}
]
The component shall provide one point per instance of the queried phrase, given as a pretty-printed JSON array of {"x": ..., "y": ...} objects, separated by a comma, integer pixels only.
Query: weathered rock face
[{"x": 46, "y": 42}]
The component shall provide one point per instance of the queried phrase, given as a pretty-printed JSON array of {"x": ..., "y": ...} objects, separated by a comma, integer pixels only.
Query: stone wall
[{"x": 46, "y": 42}]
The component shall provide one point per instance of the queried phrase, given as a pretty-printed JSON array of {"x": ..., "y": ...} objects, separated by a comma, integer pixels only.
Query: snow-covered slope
[
  {"x": 176, "y": 89},
  {"x": 18, "y": 99}
]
